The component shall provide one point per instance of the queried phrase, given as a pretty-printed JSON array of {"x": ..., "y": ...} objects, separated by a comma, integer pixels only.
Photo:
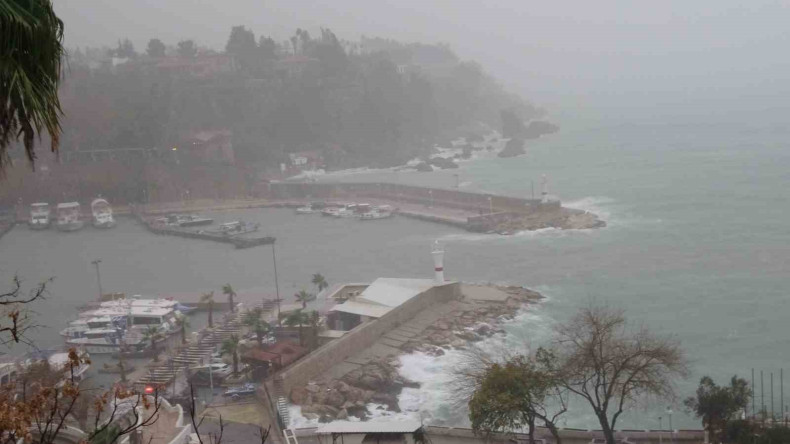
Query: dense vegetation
[{"x": 368, "y": 102}]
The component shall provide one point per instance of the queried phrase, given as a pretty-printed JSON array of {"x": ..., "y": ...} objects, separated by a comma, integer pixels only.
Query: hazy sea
[{"x": 698, "y": 245}]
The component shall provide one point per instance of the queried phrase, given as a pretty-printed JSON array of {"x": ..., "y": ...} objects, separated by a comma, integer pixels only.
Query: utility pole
[
  {"x": 457, "y": 181},
  {"x": 782, "y": 392},
  {"x": 754, "y": 395},
  {"x": 762, "y": 397},
  {"x": 773, "y": 417},
  {"x": 276, "y": 283},
  {"x": 96, "y": 263}
]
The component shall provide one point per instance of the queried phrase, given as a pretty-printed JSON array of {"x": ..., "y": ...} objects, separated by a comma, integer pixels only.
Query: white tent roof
[
  {"x": 404, "y": 426},
  {"x": 362, "y": 309},
  {"x": 391, "y": 292}
]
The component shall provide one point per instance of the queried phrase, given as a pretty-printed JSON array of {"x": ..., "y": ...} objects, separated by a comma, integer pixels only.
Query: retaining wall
[{"x": 363, "y": 336}]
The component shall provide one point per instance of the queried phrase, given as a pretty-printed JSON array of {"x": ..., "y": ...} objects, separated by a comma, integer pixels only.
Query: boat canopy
[
  {"x": 99, "y": 202},
  {"x": 40, "y": 205},
  {"x": 66, "y": 205}
]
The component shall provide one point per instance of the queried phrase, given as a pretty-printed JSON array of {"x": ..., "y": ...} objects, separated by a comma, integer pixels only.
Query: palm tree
[
  {"x": 252, "y": 319},
  {"x": 320, "y": 282},
  {"x": 227, "y": 290},
  {"x": 231, "y": 347},
  {"x": 209, "y": 299},
  {"x": 297, "y": 318},
  {"x": 183, "y": 323},
  {"x": 314, "y": 320},
  {"x": 153, "y": 334},
  {"x": 31, "y": 51},
  {"x": 303, "y": 297}
]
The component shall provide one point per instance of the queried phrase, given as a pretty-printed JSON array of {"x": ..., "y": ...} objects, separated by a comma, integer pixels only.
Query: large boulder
[
  {"x": 299, "y": 395},
  {"x": 514, "y": 147}
]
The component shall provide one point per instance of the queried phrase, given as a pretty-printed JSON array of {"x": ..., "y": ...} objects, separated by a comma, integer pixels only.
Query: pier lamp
[
  {"x": 96, "y": 263},
  {"x": 669, "y": 412}
]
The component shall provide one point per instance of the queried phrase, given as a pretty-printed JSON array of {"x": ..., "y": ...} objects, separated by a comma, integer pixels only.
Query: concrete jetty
[{"x": 152, "y": 225}]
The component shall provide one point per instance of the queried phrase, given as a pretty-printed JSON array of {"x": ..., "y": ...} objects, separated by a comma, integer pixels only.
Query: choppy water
[{"x": 698, "y": 245}]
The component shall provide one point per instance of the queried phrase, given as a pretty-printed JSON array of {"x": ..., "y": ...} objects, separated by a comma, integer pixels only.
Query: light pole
[
  {"x": 671, "y": 431},
  {"x": 490, "y": 205},
  {"x": 430, "y": 195},
  {"x": 96, "y": 263},
  {"x": 457, "y": 181},
  {"x": 276, "y": 284},
  {"x": 660, "y": 428}
]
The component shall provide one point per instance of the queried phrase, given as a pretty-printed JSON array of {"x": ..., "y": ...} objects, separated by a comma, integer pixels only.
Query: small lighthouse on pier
[
  {"x": 544, "y": 191},
  {"x": 438, "y": 263}
]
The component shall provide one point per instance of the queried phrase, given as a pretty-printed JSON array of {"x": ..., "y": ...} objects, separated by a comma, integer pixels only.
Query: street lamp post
[
  {"x": 660, "y": 428},
  {"x": 490, "y": 205},
  {"x": 96, "y": 263},
  {"x": 457, "y": 181},
  {"x": 276, "y": 283}
]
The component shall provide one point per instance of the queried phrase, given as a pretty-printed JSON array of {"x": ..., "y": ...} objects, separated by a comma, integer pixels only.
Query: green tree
[
  {"x": 252, "y": 319},
  {"x": 187, "y": 49},
  {"x": 611, "y": 366},
  {"x": 298, "y": 318},
  {"x": 182, "y": 322},
  {"x": 125, "y": 49},
  {"x": 314, "y": 321},
  {"x": 304, "y": 297},
  {"x": 155, "y": 48},
  {"x": 717, "y": 405},
  {"x": 241, "y": 45},
  {"x": 320, "y": 282},
  {"x": 31, "y": 51},
  {"x": 512, "y": 395},
  {"x": 228, "y": 291},
  {"x": 208, "y": 298},
  {"x": 153, "y": 334},
  {"x": 231, "y": 347}
]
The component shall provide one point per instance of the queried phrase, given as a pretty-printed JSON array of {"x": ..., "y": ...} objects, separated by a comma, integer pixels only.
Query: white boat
[
  {"x": 334, "y": 209},
  {"x": 120, "y": 323},
  {"x": 237, "y": 227},
  {"x": 102, "y": 214},
  {"x": 352, "y": 210},
  {"x": 40, "y": 216},
  {"x": 380, "y": 212},
  {"x": 311, "y": 208},
  {"x": 69, "y": 216}
]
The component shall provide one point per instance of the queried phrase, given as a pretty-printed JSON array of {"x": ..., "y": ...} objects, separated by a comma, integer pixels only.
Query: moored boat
[
  {"x": 311, "y": 208},
  {"x": 69, "y": 217},
  {"x": 40, "y": 216},
  {"x": 102, "y": 214},
  {"x": 380, "y": 212},
  {"x": 120, "y": 324},
  {"x": 191, "y": 220}
]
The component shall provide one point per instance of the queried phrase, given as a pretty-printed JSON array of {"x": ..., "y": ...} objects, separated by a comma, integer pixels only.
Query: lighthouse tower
[
  {"x": 544, "y": 192},
  {"x": 438, "y": 263}
]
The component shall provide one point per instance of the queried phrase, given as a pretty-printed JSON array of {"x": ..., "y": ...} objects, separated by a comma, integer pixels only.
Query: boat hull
[
  {"x": 104, "y": 224},
  {"x": 71, "y": 226}
]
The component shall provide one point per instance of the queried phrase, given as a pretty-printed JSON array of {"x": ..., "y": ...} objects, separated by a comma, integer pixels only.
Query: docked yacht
[
  {"x": 69, "y": 216},
  {"x": 102, "y": 214},
  {"x": 379, "y": 212},
  {"x": 39, "y": 216},
  {"x": 237, "y": 227},
  {"x": 311, "y": 208},
  {"x": 120, "y": 323}
]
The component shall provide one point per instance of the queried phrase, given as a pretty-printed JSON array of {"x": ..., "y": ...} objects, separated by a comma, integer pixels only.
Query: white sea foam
[{"x": 434, "y": 401}]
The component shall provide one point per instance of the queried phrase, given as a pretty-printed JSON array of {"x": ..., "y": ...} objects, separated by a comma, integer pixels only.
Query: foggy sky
[{"x": 685, "y": 56}]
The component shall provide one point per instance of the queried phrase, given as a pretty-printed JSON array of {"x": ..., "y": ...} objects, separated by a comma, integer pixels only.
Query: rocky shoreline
[{"x": 379, "y": 380}]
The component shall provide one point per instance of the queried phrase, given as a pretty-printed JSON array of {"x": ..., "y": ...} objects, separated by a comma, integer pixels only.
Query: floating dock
[{"x": 237, "y": 241}]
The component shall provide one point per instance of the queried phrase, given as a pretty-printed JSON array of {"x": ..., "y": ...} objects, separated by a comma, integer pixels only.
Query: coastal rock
[
  {"x": 514, "y": 147},
  {"x": 443, "y": 163},
  {"x": 342, "y": 414},
  {"x": 299, "y": 395},
  {"x": 423, "y": 167}
]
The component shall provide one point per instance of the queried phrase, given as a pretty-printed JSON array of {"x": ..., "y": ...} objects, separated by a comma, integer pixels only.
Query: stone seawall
[{"x": 362, "y": 337}]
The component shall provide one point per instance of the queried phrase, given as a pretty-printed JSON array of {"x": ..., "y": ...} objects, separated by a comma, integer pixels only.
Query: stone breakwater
[{"x": 379, "y": 381}]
